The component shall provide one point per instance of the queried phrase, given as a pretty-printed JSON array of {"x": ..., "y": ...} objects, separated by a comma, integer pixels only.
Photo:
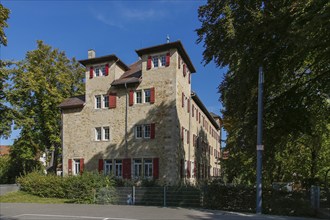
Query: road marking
[{"x": 72, "y": 216}]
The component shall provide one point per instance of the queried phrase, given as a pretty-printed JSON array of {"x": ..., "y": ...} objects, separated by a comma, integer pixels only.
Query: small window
[
  {"x": 155, "y": 61},
  {"x": 138, "y": 131},
  {"x": 137, "y": 168},
  {"x": 76, "y": 170},
  {"x": 163, "y": 60},
  {"x": 138, "y": 96},
  {"x": 147, "y": 131},
  {"x": 98, "y": 134},
  {"x": 118, "y": 168},
  {"x": 108, "y": 167},
  {"x": 148, "y": 168},
  {"x": 106, "y": 133},
  {"x": 97, "y": 101},
  {"x": 147, "y": 95},
  {"x": 97, "y": 71},
  {"x": 106, "y": 101},
  {"x": 102, "y": 70}
]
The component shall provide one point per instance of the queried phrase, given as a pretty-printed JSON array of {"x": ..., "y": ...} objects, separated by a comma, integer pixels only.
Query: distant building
[
  {"x": 141, "y": 121},
  {"x": 4, "y": 150}
]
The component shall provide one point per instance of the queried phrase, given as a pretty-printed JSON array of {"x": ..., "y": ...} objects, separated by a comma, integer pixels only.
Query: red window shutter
[
  {"x": 182, "y": 133},
  {"x": 112, "y": 100},
  {"x": 195, "y": 169},
  {"x": 188, "y": 137},
  {"x": 152, "y": 132},
  {"x": 196, "y": 114},
  {"x": 182, "y": 100},
  {"x": 184, "y": 70},
  {"x": 194, "y": 140},
  {"x": 167, "y": 59},
  {"x": 91, "y": 72},
  {"x": 155, "y": 168},
  {"x": 149, "y": 63},
  {"x": 189, "y": 78},
  {"x": 193, "y": 110},
  {"x": 106, "y": 69},
  {"x": 188, "y": 168},
  {"x": 179, "y": 62},
  {"x": 100, "y": 165},
  {"x": 188, "y": 106},
  {"x": 70, "y": 166},
  {"x": 127, "y": 168},
  {"x": 199, "y": 118},
  {"x": 131, "y": 95},
  {"x": 81, "y": 166},
  {"x": 152, "y": 95}
]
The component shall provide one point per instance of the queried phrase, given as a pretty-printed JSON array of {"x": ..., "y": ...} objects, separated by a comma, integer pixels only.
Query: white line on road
[{"x": 72, "y": 216}]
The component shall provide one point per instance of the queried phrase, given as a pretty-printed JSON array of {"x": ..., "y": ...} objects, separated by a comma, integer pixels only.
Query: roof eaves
[
  {"x": 111, "y": 57},
  {"x": 204, "y": 109}
]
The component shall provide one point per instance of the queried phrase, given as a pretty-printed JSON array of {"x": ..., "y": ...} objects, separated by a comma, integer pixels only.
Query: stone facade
[{"x": 172, "y": 145}]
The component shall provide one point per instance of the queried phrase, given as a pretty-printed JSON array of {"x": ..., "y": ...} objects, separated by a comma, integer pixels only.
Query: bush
[
  {"x": 4, "y": 169},
  {"x": 80, "y": 189}
]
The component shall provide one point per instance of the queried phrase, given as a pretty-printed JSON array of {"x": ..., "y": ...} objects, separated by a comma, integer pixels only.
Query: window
[
  {"x": 138, "y": 131},
  {"x": 148, "y": 168},
  {"x": 106, "y": 133},
  {"x": 137, "y": 166},
  {"x": 143, "y": 131},
  {"x": 147, "y": 131},
  {"x": 76, "y": 169},
  {"x": 155, "y": 61},
  {"x": 97, "y": 71},
  {"x": 192, "y": 169},
  {"x": 138, "y": 96},
  {"x": 147, "y": 94},
  {"x": 108, "y": 167},
  {"x": 102, "y": 70},
  {"x": 106, "y": 101},
  {"x": 118, "y": 168},
  {"x": 102, "y": 133},
  {"x": 97, "y": 101},
  {"x": 98, "y": 134},
  {"x": 163, "y": 60}
]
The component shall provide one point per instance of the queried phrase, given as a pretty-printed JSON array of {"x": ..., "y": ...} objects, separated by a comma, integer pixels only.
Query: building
[
  {"x": 4, "y": 150},
  {"x": 142, "y": 120}
]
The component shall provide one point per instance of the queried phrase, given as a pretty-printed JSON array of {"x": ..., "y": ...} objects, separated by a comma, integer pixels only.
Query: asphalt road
[{"x": 28, "y": 211}]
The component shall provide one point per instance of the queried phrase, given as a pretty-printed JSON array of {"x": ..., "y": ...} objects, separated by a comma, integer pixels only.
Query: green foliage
[
  {"x": 85, "y": 188},
  {"x": 4, "y": 169},
  {"x": 4, "y": 15},
  {"x": 38, "y": 84},
  {"x": 290, "y": 40},
  {"x": 24, "y": 197},
  {"x": 243, "y": 199}
]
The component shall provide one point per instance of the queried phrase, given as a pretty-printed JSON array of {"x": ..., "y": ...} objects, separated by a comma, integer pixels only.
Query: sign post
[{"x": 260, "y": 147}]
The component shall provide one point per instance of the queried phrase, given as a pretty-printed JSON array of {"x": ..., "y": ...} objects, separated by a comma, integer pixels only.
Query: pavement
[
  {"x": 6, "y": 188},
  {"x": 29, "y": 211}
]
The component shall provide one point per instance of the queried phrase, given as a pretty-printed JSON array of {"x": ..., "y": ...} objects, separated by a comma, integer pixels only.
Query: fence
[{"x": 159, "y": 196}]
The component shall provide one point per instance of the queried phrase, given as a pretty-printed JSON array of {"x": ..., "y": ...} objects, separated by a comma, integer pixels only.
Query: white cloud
[{"x": 108, "y": 21}]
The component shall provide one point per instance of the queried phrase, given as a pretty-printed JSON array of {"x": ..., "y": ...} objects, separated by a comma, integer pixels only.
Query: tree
[
  {"x": 290, "y": 39},
  {"x": 4, "y": 15},
  {"x": 38, "y": 84}
]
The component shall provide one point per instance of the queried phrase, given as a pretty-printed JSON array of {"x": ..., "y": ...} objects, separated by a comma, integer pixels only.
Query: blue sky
[{"x": 118, "y": 27}]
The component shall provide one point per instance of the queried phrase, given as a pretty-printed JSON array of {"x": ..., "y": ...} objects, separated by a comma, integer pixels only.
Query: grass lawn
[{"x": 23, "y": 197}]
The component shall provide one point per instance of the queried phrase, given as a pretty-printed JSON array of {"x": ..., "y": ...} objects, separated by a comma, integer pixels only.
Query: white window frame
[
  {"x": 192, "y": 169},
  {"x": 155, "y": 61},
  {"x": 148, "y": 168},
  {"x": 99, "y": 70},
  {"x": 145, "y": 91},
  {"x": 105, "y": 134},
  {"x": 137, "y": 168},
  {"x": 141, "y": 96},
  {"x": 138, "y": 132},
  {"x": 108, "y": 167},
  {"x": 98, "y": 133},
  {"x": 185, "y": 168},
  {"x": 162, "y": 60},
  {"x": 76, "y": 167},
  {"x": 145, "y": 131},
  {"x": 118, "y": 168},
  {"x": 105, "y": 99},
  {"x": 98, "y": 101},
  {"x": 159, "y": 60}
]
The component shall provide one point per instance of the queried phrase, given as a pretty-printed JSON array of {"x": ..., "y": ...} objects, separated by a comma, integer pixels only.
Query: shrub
[
  {"x": 80, "y": 189},
  {"x": 4, "y": 169}
]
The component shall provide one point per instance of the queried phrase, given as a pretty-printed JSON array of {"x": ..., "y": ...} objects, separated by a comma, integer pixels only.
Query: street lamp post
[{"x": 260, "y": 147}]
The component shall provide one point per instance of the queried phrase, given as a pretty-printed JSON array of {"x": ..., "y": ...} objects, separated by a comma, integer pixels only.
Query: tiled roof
[
  {"x": 214, "y": 115},
  {"x": 73, "y": 102},
  {"x": 4, "y": 150},
  {"x": 133, "y": 75},
  {"x": 177, "y": 44},
  {"x": 204, "y": 109}
]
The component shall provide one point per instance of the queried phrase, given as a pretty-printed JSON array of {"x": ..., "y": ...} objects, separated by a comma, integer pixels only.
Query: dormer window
[{"x": 161, "y": 60}]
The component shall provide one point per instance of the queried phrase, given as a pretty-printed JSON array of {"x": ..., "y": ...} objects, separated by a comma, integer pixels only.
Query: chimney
[{"x": 91, "y": 54}]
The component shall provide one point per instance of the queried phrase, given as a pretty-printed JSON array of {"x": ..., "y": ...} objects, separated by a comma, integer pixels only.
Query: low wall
[{"x": 6, "y": 188}]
